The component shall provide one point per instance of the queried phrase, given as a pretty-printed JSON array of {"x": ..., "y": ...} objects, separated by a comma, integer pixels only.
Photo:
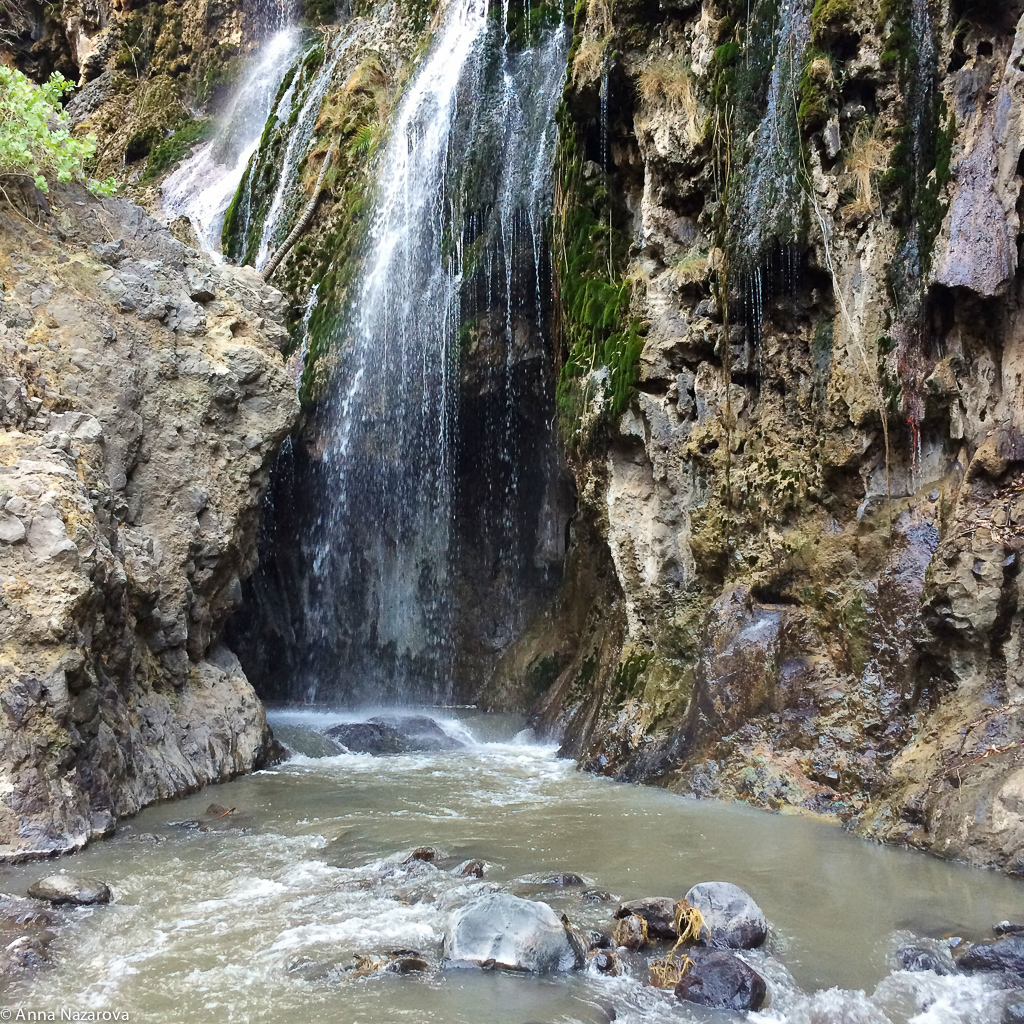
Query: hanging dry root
[
  {"x": 690, "y": 924},
  {"x": 669, "y": 972},
  {"x": 631, "y": 932}
]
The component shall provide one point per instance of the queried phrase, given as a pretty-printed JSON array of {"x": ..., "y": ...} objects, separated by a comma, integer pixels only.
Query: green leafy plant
[{"x": 35, "y": 134}]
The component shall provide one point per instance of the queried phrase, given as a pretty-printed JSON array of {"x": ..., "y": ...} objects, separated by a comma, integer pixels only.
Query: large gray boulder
[
  {"x": 733, "y": 918},
  {"x": 70, "y": 889},
  {"x": 723, "y": 981},
  {"x": 499, "y": 930}
]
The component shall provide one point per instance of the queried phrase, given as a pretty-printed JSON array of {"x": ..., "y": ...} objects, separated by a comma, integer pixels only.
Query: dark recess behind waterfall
[{"x": 512, "y": 505}]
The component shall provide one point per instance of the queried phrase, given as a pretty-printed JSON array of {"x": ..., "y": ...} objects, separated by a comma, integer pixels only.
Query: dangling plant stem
[{"x": 303, "y": 222}]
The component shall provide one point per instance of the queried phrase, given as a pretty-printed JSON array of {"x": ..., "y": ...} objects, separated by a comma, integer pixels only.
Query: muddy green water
[{"x": 242, "y": 921}]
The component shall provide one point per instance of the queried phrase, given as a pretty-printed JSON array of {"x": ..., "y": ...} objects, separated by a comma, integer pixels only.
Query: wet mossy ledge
[{"x": 783, "y": 421}]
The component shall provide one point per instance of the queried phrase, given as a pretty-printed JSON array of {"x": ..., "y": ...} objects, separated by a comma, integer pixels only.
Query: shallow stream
[{"x": 253, "y": 916}]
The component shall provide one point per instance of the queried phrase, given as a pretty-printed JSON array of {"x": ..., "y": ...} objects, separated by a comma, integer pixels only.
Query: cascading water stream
[{"x": 202, "y": 188}]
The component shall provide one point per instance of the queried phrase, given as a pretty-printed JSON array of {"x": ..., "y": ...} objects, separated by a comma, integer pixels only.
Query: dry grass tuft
[
  {"x": 689, "y": 269},
  {"x": 668, "y": 972},
  {"x": 588, "y": 63},
  {"x": 869, "y": 156},
  {"x": 668, "y": 81}
]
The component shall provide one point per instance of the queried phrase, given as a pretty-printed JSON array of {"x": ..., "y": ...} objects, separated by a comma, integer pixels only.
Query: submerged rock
[
  {"x": 70, "y": 889},
  {"x": 25, "y": 936},
  {"x": 925, "y": 956},
  {"x": 721, "y": 980},
  {"x": 566, "y": 879},
  {"x": 499, "y": 930},
  {"x": 368, "y": 738},
  {"x": 470, "y": 869},
  {"x": 427, "y": 854},
  {"x": 658, "y": 911},
  {"x": 394, "y": 734},
  {"x": 733, "y": 918},
  {"x": 419, "y": 732},
  {"x": 1002, "y": 955}
]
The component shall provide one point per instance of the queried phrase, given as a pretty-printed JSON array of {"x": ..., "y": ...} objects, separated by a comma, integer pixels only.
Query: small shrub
[{"x": 35, "y": 134}]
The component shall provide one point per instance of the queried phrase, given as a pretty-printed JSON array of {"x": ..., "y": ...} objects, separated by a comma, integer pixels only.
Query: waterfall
[
  {"x": 414, "y": 505},
  {"x": 202, "y": 188},
  {"x": 771, "y": 200}
]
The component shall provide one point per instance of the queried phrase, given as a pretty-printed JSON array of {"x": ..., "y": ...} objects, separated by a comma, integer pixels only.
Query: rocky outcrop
[
  {"x": 142, "y": 400},
  {"x": 799, "y": 445}
]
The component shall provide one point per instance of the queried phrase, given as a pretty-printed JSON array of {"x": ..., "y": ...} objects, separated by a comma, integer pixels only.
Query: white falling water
[
  {"x": 202, "y": 188},
  {"x": 387, "y": 450},
  {"x": 467, "y": 165}
]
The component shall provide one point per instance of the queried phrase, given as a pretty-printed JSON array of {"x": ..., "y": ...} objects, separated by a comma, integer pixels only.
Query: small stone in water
[
  {"x": 219, "y": 811},
  {"x": 426, "y": 853},
  {"x": 596, "y": 896},
  {"x": 470, "y": 869},
  {"x": 1008, "y": 928},
  {"x": 631, "y": 932},
  {"x": 607, "y": 961},
  {"x": 69, "y": 889},
  {"x": 598, "y": 940},
  {"x": 565, "y": 879},
  {"x": 658, "y": 911}
]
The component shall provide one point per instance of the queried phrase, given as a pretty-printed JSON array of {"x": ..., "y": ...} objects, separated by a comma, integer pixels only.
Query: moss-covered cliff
[{"x": 791, "y": 391}]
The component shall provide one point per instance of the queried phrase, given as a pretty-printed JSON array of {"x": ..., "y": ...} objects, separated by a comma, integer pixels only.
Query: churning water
[{"x": 255, "y": 916}]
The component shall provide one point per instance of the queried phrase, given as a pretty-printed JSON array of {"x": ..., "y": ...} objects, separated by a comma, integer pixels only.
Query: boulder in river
[
  {"x": 721, "y": 980},
  {"x": 70, "y": 889},
  {"x": 394, "y": 734},
  {"x": 368, "y": 738},
  {"x": 419, "y": 732},
  {"x": 500, "y": 930},
  {"x": 733, "y": 918},
  {"x": 1005, "y": 954},
  {"x": 658, "y": 911},
  {"x": 925, "y": 956}
]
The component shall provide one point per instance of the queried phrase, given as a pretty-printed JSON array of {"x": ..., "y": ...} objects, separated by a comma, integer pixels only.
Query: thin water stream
[{"x": 253, "y": 916}]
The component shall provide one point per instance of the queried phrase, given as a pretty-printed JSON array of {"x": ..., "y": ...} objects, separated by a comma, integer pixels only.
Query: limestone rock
[
  {"x": 733, "y": 918},
  {"x": 70, "y": 889},
  {"x": 507, "y": 931},
  {"x": 115, "y": 690}
]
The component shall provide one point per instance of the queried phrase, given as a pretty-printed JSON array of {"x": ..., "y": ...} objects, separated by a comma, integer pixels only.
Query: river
[{"x": 254, "y": 916}]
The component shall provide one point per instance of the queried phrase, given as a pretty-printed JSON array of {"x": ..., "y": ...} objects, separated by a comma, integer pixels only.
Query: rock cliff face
[
  {"x": 143, "y": 398},
  {"x": 793, "y": 397}
]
